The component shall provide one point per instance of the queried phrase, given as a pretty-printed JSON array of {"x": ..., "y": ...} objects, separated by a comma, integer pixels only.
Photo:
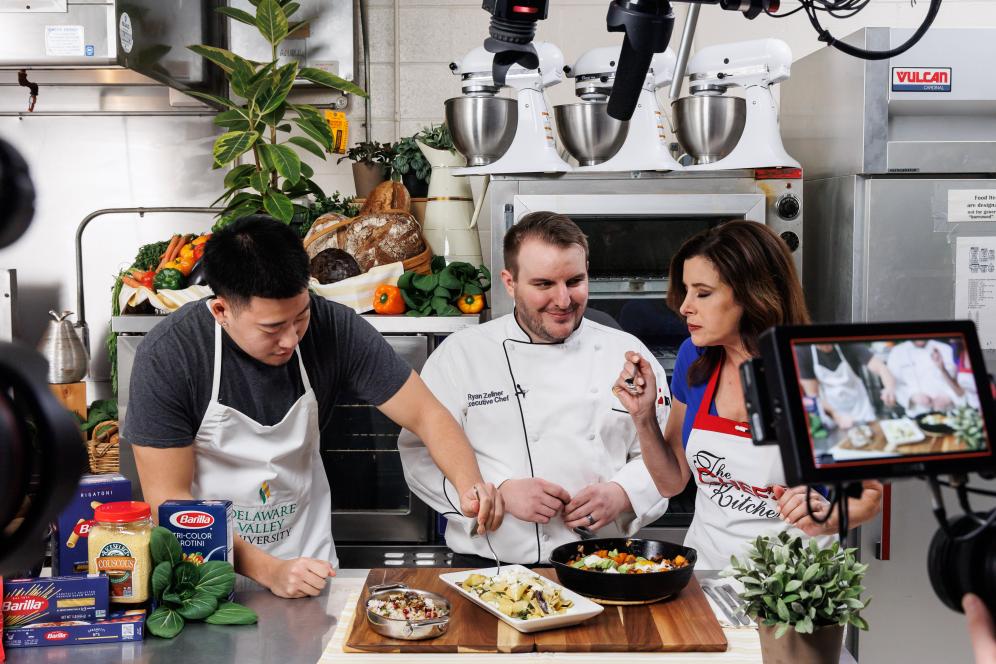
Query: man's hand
[
  {"x": 602, "y": 502},
  {"x": 980, "y": 629},
  {"x": 483, "y": 501},
  {"x": 300, "y": 577},
  {"x": 533, "y": 499},
  {"x": 843, "y": 420},
  {"x": 792, "y": 509},
  {"x": 889, "y": 397}
]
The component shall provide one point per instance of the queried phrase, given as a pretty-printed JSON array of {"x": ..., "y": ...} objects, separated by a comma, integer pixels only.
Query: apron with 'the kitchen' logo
[
  {"x": 735, "y": 480},
  {"x": 273, "y": 475}
]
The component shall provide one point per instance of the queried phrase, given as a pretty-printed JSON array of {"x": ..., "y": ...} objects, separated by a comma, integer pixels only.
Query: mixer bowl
[
  {"x": 482, "y": 127},
  {"x": 709, "y": 127},
  {"x": 588, "y": 132}
]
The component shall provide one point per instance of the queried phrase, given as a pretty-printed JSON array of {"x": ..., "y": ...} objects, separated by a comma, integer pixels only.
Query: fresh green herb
[
  {"x": 337, "y": 203},
  {"x": 795, "y": 585},
  {"x": 99, "y": 411},
  {"x": 148, "y": 257},
  {"x": 185, "y": 591},
  {"x": 427, "y": 294},
  {"x": 436, "y": 136}
]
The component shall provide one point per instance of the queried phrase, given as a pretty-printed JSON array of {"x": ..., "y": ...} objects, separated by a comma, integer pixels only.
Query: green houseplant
[
  {"x": 371, "y": 163},
  {"x": 260, "y": 123},
  {"x": 801, "y": 595},
  {"x": 410, "y": 166}
]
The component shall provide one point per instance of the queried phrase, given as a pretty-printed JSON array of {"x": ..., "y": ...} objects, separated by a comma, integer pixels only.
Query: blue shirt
[{"x": 690, "y": 395}]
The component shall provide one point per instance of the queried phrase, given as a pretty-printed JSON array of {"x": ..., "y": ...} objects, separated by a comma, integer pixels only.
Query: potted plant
[
  {"x": 802, "y": 596},
  {"x": 276, "y": 181},
  {"x": 410, "y": 166},
  {"x": 338, "y": 203},
  {"x": 371, "y": 161}
]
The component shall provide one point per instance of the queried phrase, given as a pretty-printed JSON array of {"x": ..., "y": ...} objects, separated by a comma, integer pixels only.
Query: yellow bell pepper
[{"x": 470, "y": 304}]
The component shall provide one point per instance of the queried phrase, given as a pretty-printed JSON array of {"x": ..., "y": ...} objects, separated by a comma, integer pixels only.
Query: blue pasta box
[
  {"x": 118, "y": 626},
  {"x": 73, "y": 525},
  {"x": 54, "y": 599},
  {"x": 203, "y": 528}
]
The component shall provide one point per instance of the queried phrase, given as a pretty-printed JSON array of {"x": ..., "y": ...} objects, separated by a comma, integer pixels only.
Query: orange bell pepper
[
  {"x": 470, "y": 304},
  {"x": 388, "y": 300}
]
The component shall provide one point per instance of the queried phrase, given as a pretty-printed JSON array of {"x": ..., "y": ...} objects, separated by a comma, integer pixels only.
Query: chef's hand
[
  {"x": 980, "y": 629},
  {"x": 843, "y": 421},
  {"x": 299, "y": 577},
  {"x": 888, "y": 397},
  {"x": 483, "y": 501},
  {"x": 792, "y": 509},
  {"x": 533, "y": 499},
  {"x": 603, "y": 502},
  {"x": 641, "y": 403}
]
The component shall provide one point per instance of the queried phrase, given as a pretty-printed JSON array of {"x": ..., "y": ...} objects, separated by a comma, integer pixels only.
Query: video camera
[{"x": 924, "y": 408}]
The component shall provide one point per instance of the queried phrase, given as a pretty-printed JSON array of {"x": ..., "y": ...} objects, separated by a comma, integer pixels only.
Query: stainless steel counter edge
[
  {"x": 290, "y": 631},
  {"x": 383, "y": 324}
]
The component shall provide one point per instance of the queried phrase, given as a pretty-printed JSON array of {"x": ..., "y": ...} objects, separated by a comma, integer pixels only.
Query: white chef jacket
[
  {"x": 915, "y": 372},
  {"x": 505, "y": 390}
]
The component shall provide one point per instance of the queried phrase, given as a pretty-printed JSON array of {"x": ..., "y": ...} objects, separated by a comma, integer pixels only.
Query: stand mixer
[
  {"x": 723, "y": 132},
  {"x": 502, "y": 135},
  {"x": 602, "y": 143}
]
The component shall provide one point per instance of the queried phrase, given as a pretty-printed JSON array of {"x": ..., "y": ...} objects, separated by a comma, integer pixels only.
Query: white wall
[{"x": 81, "y": 164}]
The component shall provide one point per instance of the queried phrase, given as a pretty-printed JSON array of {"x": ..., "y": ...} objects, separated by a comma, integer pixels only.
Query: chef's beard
[{"x": 532, "y": 322}]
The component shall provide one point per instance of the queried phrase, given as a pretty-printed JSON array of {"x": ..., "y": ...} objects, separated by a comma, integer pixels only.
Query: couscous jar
[{"x": 118, "y": 546}]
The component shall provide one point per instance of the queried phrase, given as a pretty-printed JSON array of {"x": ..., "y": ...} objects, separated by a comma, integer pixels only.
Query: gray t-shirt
[{"x": 345, "y": 357}]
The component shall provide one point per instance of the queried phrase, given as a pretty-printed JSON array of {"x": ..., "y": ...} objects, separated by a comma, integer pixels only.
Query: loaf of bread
[
  {"x": 317, "y": 240},
  {"x": 389, "y": 196},
  {"x": 379, "y": 238}
]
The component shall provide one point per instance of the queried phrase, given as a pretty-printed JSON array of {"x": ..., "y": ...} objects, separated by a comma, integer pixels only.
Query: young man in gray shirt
[{"x": 229, "y": 395}]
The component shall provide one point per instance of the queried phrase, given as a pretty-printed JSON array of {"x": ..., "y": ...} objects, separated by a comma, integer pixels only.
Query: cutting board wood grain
[{"x": 682, "y": 624}]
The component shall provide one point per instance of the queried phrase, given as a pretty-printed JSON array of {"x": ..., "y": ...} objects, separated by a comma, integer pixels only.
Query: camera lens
[{"x": 956, "y": 568}]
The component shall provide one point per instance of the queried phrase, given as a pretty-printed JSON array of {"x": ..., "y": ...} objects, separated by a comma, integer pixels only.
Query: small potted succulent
[
  {"x": 371, "y": 161},
  {"x": 801, "y": 596},
  {"x": 436, "y": 144}
]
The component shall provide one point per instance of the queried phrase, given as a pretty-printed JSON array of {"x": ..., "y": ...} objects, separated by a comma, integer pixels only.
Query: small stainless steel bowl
[
  {"x": 407, "y": 630},
  {"x": 588, "y": 132},
  {"x": 709, "y": 127},
  {"x": 482, "y": 127}
]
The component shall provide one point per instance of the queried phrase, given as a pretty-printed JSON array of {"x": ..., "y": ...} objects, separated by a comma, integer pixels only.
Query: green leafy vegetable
[
  {"x": 434, "y": 294},
  {"x": 230, "y": 613},
  {"x": 164, "y": 623},
  {"x": 165, "y": 548},
  {"x": 216, "y": 578},
  {"x": 148, "y": 255}
]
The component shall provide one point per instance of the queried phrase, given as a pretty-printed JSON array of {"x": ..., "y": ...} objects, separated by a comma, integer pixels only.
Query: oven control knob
[
  {"x": 791, "y": 239},
  {"x": 788, "y": 207}
]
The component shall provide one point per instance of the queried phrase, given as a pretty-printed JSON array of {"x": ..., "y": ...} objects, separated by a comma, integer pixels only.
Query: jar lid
[{"x": 122, "y": 512}]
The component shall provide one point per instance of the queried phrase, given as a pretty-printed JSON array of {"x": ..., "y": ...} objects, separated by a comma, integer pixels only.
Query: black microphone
[
  {"x": 630, "y": 75},
  {"x": 647, "y": 26}
]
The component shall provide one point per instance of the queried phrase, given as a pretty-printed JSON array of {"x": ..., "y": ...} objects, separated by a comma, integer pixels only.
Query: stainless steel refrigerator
[{"x": 894, "y": 152}]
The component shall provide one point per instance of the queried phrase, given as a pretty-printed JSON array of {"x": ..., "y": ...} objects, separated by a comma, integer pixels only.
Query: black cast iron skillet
[{"x": 624, "y": 588}]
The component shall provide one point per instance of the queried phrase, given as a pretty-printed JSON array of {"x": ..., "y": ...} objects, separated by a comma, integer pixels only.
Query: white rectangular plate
[
  {"x": 901, "y": 432},
  {"x": 583, "y": 607}
]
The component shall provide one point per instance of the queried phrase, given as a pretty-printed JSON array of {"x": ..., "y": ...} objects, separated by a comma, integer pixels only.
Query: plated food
[
  {"x": 901, "y": 431},
  {"x": 936, "y": 422},
  {"x": 399, "y": 612},
  {"x": 407, "y": 605},
  {"x": 522, "y": 598},
  {"x": 624, "y": 562}
]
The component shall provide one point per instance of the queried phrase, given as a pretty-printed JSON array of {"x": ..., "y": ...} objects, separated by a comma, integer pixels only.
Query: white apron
[
  {"x": 273, "y": 475},
  {"x": 842, "y": 390},
  {"x": 735, "y": 479}
]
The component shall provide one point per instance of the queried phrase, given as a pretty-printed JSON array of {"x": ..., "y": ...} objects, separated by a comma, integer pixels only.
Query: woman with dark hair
[{"x": 729, "y": 284}]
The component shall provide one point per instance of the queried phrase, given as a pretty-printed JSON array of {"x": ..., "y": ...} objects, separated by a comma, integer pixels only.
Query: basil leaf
[
  {"x": 161, "y": 576},
  {"x": 164, "y": 547},
  {"x": 230, "y": 613},
  {"x": 164, "y": 623},
  {"x": 199, "y": 607},
  {"x": 217, "y": 578}
]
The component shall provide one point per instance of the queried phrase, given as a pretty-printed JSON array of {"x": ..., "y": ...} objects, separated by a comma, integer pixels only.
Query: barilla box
[
  {"x": 118, "y": 626},
  {"x": 203, "y": 528},
  {"x": 73, "y": 525},
  {"x": 54, "y": 599}
]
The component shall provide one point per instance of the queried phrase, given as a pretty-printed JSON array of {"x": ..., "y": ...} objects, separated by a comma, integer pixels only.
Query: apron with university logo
[{"x": 273, "y": 475}]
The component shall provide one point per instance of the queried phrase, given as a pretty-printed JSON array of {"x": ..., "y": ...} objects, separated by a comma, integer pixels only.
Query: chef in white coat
[
  {"x": 926, "y": 376},
  {"x": 532, "y": 390}
]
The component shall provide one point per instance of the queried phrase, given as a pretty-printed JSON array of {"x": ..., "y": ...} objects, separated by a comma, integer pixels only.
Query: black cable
[
  {"x": 842, "y": 9},
  {"x": 941, "y": 515},
  {"x": 981, "y": 492}
]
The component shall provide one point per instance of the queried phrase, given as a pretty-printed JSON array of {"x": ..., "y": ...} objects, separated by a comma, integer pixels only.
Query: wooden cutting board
[{"x": 682, "y": 624}]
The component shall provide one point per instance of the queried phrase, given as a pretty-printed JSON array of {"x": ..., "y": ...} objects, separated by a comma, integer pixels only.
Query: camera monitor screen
[
  {"x": 888, "y": 399},
  {"x": 873, "y": 400}
]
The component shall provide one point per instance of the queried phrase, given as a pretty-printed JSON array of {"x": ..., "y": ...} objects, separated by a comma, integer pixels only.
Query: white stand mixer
[
  {"x": 754, "y": 65},
  {"x": 533, "y": 149},
  {"x": 645, "y": 147}
]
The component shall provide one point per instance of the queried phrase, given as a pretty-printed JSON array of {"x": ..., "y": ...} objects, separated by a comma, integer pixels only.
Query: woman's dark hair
[
  {"x": 758, "y": 266},
  {"x": 256, "y": 256}
]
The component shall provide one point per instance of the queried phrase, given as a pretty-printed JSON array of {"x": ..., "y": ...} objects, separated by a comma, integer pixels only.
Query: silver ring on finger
[{"x": 591, "y": 520}]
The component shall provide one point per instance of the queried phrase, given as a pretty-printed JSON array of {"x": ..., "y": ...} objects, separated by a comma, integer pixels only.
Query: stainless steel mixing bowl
[
  {"x": 588, "y": 132},
  {"x": 709, "y": 127},
  {"x": 482, "y": 127}
]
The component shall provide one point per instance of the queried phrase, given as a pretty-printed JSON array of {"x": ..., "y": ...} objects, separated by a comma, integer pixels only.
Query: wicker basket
[
  {"x": 103, "y": 448},
  {"x": 421, "y": 263}
]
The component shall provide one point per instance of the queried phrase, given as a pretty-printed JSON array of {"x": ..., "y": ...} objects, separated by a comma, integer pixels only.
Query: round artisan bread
[
  {"x": 318, "y": 238},
  {"x": 389, "y": 196},
  {"x": 332, "y": 265},
  {"x": 379, "y": 238}
]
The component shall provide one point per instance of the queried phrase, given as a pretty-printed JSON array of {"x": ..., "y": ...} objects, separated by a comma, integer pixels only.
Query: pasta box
[
  {"x": 73, "y": 525},
  {"x": 203, "y": 528},
  {"x": 54, "y": 599},
  {"x": 118, "y": 626}
]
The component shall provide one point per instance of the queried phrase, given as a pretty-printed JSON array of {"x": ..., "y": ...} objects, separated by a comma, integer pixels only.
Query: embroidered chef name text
[
  {"x": 731, "y": 493},
  {"x": 486, "y": 398}
]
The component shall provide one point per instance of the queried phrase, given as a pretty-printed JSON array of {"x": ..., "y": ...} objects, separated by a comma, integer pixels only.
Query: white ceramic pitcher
[{"x": 449, "y": 209}]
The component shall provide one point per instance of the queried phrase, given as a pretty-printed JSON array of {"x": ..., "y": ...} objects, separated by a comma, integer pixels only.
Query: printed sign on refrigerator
[
  {"x": 971, "y": 205},
  {"x": 975, "y": 285},
  {"x": 921, "y": 79}
]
